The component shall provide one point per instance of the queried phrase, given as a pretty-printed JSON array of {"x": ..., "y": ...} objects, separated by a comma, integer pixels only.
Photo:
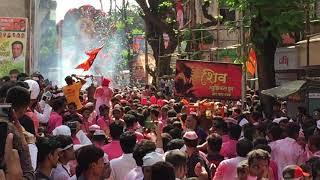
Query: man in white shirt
[
  {"x": 66, "y": 154},
  {"x": 122, "y": 165},
  {"x": 80, "y": 135},
  {"x": 227, "y": 169},
  {"x": 17, "y": 49},
  {"x": 140, "y": 151},
  {"x": 44, "y": 112},
  {"x": 287, "y": 151},
  {"x": 178, "y": 159}
]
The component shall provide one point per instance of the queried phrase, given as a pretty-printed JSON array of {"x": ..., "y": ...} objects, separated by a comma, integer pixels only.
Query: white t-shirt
[{"x": 62, "y": 172}]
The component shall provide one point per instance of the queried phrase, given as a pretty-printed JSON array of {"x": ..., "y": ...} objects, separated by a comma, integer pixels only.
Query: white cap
[
  {"x": 62, "y": 130},
  {"x": 33, "y": 88},
  {"x": 278, "y": 120},
  {"x": 190, "y": 135},
  {"x": 89, "y": 104},
  {"x": 117, "y": 106},
  {"x": 318, "y": 124},
  {"x": 99, "y": 133},
  {"x": 152, "y": 158},
  {"x": 118, "y": 96},
  {"x": 243, "y": 122},
  {"x": 231, "y": 120},
  {"x": 94, "y": 127}
]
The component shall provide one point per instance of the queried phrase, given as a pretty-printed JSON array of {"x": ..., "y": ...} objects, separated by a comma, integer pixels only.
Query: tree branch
[
  {"x": 206, "y": 14},
  {"x": 143, "y": 5},
  {"x": 151, "y": 18}
]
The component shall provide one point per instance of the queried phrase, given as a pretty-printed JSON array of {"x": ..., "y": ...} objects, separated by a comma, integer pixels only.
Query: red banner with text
[{"x": 208, "y": 80}]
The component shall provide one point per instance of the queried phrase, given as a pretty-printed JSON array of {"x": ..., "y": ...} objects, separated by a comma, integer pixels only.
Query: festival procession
[{"x": 159, "y": 90}]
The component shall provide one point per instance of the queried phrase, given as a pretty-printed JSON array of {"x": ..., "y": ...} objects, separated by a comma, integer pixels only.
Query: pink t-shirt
[
  {"x": 286, "y": 152},
  {"x": 85, "y": 126},
  {"x": 35, "y": 120},
  {"x": 103, "y": 95},
  {"x": 55, "y": 120},
  {"x": 229, "y": 149},
  {"x": 93, "y": 117},
  {"x": 273, "y": 165},
  {"x": 75, "y": 140},
  {"x": 113, "y": 149},
  {"x": 138, "y": 135},
  {"x": 104, "y": 124},
  {"x": 164, "y": 120},
  {"x": 225, "y": 138}
]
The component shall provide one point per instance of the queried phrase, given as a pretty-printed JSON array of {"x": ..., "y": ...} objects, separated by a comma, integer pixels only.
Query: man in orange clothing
[{"x": 72, "y": 90}]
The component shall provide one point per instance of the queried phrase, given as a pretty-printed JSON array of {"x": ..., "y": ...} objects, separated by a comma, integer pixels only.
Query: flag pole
[{"x": 244, "y": 67}]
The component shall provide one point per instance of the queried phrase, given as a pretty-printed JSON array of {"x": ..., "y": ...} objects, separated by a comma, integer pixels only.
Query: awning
[{"x": 285, "y": 90}]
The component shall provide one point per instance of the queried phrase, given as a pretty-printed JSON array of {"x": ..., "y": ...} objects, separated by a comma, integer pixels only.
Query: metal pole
[
  {"x": 146, "y": 58},
  {"x": 158, "y": 62},
  {"x": 101, "y": 5},
  {"x": 307, "y": 35},
  {"x": 244, "y": 72},
  {"x": 308, "y": 48},
  {"x": 218, "y": 38},
  {"x": 179, "y": 44}
]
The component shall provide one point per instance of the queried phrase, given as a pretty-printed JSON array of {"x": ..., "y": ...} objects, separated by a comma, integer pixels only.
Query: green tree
[
  {"x": 268, "y": 19},
  {"x": 129, "y": 23},
  {"x": 160, "y": 17}
]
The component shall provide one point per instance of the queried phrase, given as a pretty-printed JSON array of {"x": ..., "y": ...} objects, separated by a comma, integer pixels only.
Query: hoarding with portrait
[
  {"x": 201, "y": 79},
  {"x": 13, "y": 43}
]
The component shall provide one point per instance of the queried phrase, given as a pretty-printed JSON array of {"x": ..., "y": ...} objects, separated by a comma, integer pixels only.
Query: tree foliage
[
  {"x": 268, "y": 20},
  {"x": 129, "y": 22},
  {"x": 160, "y": 17}
]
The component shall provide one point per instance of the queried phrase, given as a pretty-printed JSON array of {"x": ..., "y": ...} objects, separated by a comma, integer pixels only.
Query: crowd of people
[{"x": 69, "y": 133}]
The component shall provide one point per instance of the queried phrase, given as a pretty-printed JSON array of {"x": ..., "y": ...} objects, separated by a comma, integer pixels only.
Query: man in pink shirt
[
  {"x": 220, "y": 127},
  {"x": 229, "y": 149},
  {"x": 93, "y": 114},
  {"x": 85, "y": 120},
  {"x": 104, "y": 119},
  {"x": 34, "y": 89},
  {"x": 103, "y": 94},
  {"x": 164, "y": 115},
  {"x": 55, "y": 119},
  {"x": 227, "y": 169},
  {"x": 314, "y": 146},
  {"x": 287, "y": 151},
  {"x": 113, "y": 149},
  {"x": 154, "y": 118},
  {"x": 131, "y": 122}
]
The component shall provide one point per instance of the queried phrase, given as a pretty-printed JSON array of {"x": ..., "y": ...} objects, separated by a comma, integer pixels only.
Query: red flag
[
  {"x": 252, "y": 62},
  {"x": 86, "y": 65}
]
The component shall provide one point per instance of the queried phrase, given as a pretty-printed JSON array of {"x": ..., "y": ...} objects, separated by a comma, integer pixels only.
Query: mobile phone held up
[
  {"x": 3, "y": 137},
  {"x": 5, "y": 110}
]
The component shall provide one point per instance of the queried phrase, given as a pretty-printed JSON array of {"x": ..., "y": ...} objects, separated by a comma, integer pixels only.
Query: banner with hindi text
[
  {"x": 202, "y": 79},
  {"x": 13, "y": 44}
]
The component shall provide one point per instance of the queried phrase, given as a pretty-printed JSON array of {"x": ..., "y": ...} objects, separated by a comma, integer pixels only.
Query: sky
[{"x": 65, "y": 5}]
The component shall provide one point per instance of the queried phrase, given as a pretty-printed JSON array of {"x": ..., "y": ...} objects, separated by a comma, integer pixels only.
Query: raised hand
[{"x": 12, "y": 160}]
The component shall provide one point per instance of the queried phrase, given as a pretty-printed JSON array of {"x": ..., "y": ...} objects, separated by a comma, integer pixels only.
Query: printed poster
[
  {"x": 202, "y": 79},
  {"x": 13, "y": 43}
]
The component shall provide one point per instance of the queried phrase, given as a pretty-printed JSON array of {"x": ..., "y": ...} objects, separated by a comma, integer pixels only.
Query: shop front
[{"x": 286, "y": 65}]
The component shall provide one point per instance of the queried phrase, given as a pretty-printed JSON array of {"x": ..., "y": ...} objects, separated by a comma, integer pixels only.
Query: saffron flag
[
  {"x": 252, "y": 62},
  {"x": 86, "y": 65},
  {"x": 179, "y": 9}
]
